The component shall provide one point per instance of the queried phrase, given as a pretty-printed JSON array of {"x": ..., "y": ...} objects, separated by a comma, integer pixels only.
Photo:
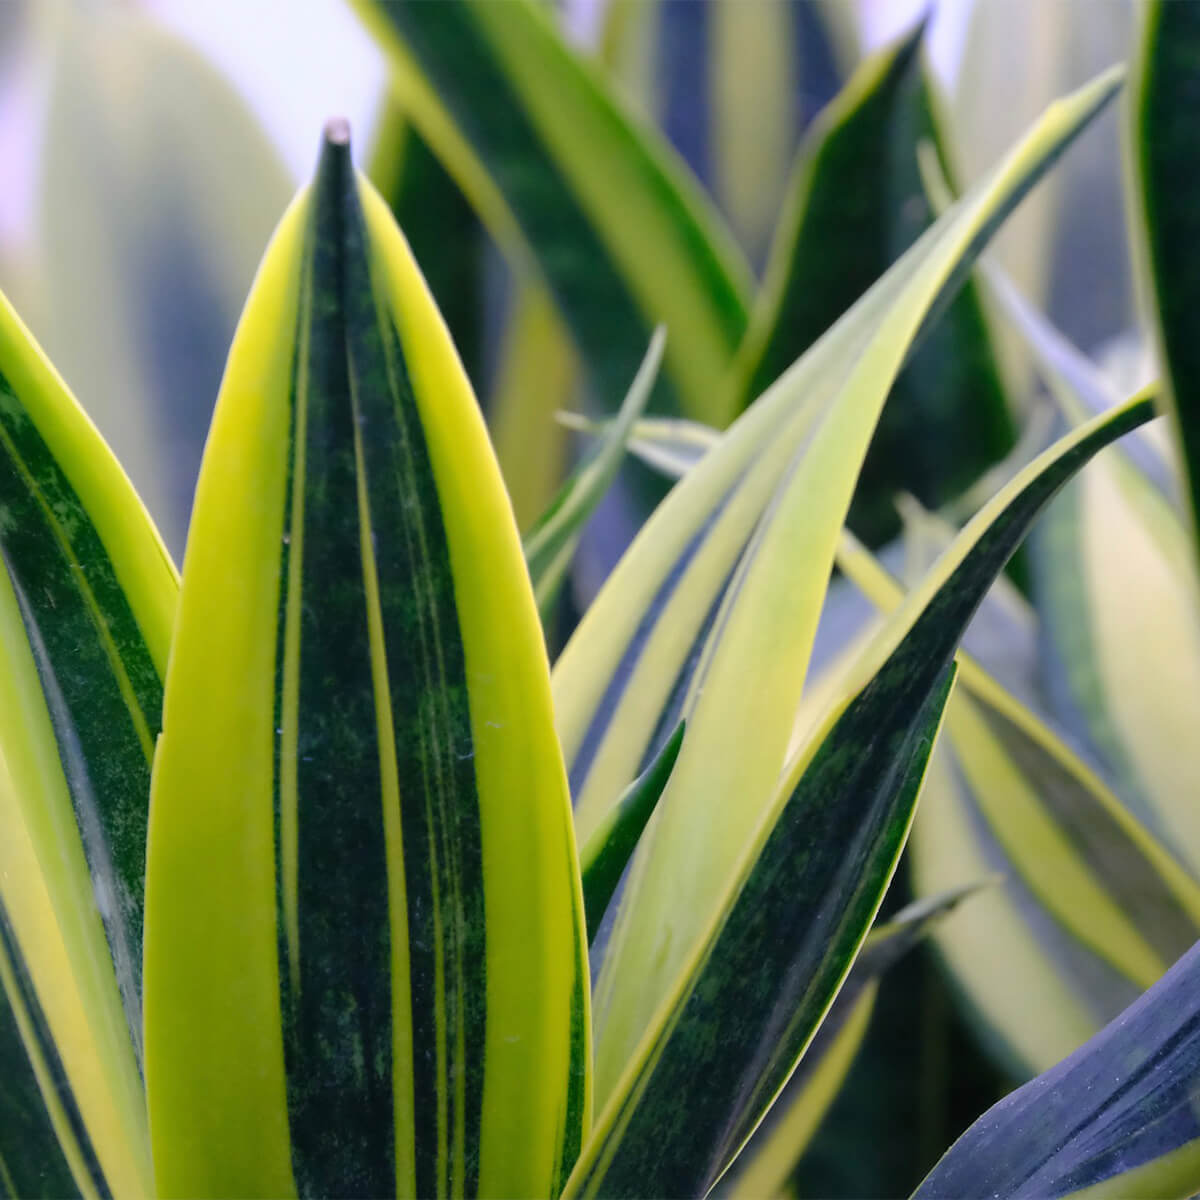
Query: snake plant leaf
[
  {"x": 603, "y": 860},
  {"x": 550, "y": 545},
  {"x": 1093, "y": 909},
  {"x": 366, "y": 966},
  {"x": 144, "y": 282},
  {"x": 771, "y": 1155},
  {"x": 442, "y": 229},
  {"x": 733, "y": 86},
  {"x": 742, "y": 550},
  {"x": 1166, "y": 184},
  {"x": 810, "y": 882},
  {"x": 697, "y": 1091},
  {"x": 563, "y": 177},
  {"x": 1116, "y": 1118},
  {"x": 87, "y": 599},
  {"x": 855, "y": 203},
  {"x": 33, "y": 1160},
  {"x": 1119, "y": 596}
]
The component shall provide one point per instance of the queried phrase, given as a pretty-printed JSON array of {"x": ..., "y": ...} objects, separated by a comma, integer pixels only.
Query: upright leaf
[
  {"x": 563, "y": 177},
  {"x": 720, "y": 596},
  {"x": 365, "y": 956},
  {"x": 855, "y": 204},
  {"x": 87, "y": 598},
  {"x": 1166, "y": 187}
]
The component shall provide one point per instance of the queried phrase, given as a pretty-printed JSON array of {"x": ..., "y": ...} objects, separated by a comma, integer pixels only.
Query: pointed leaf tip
[{"x": 337, "y": 132}]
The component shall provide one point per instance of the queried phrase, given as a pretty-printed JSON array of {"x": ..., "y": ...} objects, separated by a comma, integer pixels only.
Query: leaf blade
[
  {"x": 503, "y": 101},
  {"x": 87, "y": 595},
  {"x": 388, "y": 703}
]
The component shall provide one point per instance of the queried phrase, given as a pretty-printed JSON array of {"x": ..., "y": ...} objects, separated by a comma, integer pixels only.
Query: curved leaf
[
  {"x": 855, "y": 204},
  {"x": 720, "y": 596},
  {"x": 810, "y": 883},
  {"x": 365, "y": 957},
  {"x": 1117, "y": 1118},
  {"x": 1093, "y": 909},
  {"x": 1119, "y": 595},
  {"x": 561, "y": 175},
  {"x": 87, "y": 599}
]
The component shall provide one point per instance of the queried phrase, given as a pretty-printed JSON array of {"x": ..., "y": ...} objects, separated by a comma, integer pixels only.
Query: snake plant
[{"x": 316, "y": 877}]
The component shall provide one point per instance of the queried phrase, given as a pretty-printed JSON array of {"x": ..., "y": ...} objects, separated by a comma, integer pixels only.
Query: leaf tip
[{"x": 337, "y": 133}]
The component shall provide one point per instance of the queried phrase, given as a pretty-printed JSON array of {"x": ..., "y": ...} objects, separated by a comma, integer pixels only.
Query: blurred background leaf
[
  {"x": 733, "y": 86},
  {"x": 158, "y": 193}
]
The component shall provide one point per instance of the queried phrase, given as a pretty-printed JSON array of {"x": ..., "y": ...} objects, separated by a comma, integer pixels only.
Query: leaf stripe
[
  {"x": 621, "y": 677},
  {"x": 444, "y": 753},
  {"x": 338, "y": 1014},
  {"x": 103, "y": 690},
  {"x": 1097, "y": 985},
  {"x": 1101, "y": 842},
  {"x": 47, "y": 1067},
  {"x": 376, "y": 624}
]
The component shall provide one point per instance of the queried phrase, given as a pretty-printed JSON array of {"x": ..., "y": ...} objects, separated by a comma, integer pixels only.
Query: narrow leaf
[
  {"x": 365, "y": 956},
  {"x": 603, "y": 860},
  {"x": 1120, "y": 598},
  {"x": 1102, "y": 908},
  {"x": 855, "y": 204},
  {"x": 87, "y": 597},
  {"x": 810, "y": 884},
  {"x": 563, "y": 177},
  {"x": 720, "y": 597}
]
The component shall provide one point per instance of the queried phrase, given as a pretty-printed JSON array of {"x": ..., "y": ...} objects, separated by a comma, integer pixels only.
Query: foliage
[{"x": 318, "y": 877}]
